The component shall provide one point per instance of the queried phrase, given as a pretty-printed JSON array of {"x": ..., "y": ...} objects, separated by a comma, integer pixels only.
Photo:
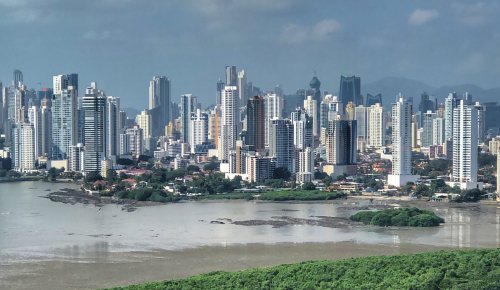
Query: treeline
[
  {"x": 302, "y": 195},
  {"x": 475, "y": 269},
  {"x": 401, "y": 217},
  {"x": 147, "y": 194}
]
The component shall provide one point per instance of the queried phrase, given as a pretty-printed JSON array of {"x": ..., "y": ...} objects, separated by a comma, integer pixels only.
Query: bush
[
  {"x": 412, "y": 217},
  {"x": 381, "y": 219}
]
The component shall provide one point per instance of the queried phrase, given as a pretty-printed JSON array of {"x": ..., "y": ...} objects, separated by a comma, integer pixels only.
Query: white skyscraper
[
  {"x": 76, "y": 157},
  {"x": 306, "y": 166},
  {"x": 302, "y": 129},
  {"x": 188, "y": 107},
  {"x": 62, "y": 82},
  {"x": 273, "y": 109},
  {"x": 465, "y": 146},
  {"x": 481, "y": 122},
  {"x": 450, "y": 103},
  {"x": 311, "y": 107},
  {"x": 144, "y": 122},
  {"x": 242, "y": 83},
  {"x": 64, "y": 122},
  {"x": 401, "y": 143},
  {"x": 229, "y": 121},
  {"x": 35, "y": 119},
  {"x": 199, "y": 129},
  {"x": 376, "y": 126},
  {"x": 94, "y": 131},
  {"x": 46, "y": 127},
  {"x": 438, "y": 131},
  {"x": 131, "y": 142},
  {"x": 23, "y": 147},
  {"x": 362, "y": 120}
]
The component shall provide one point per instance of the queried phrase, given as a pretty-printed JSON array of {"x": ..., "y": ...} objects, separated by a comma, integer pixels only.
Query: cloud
[
  {"x": 476, "y": 14},
  {"x": 422, "y": 16},
  {"x": 323, "y": 30}
]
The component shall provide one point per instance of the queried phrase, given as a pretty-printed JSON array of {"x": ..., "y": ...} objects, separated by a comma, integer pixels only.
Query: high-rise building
[
  {"x": 349, "y": 111},
  {"x": 311, "y": 107},
  {"x": 302, "y": 129},
  {"x": 426, "y": 104},
  {"x": 401, "y": 143},
  {"x": 64, "y": 122},
  {"x": 376, "y": 126},
  {"x": 220, "y": 87},
  {"x": 481, "y": 122},
  {"x": 159, "y": 104},
  {"x": 350, "y": 90},
  {"x": 94, "y": 132},
  {"x": 62, "y": 82},
  {"x": 305, "y": 171},
  {"x": 331, "y": 108},
  {"x": 23, "y": 147},
  {"x": 426, "y": 139},
  {"x": 76, "y": 156},
  {"x": 274, "y": 105},
  {"x": 259, "y": 168},
  {"x": 372, "y": 100},
  {"x": 231, "y": 76},
  {"x": 46, "y": 127},
  {"x": 114, "y": 126},
  {"x": 281, "y": 143},
  {"x": 465, "y": 146},
  {"x": 131, "y": 142},
  {"x": 188, "y": 107},
  {"x": 229, "y": 121},
  {"x": 341, "y": 146},
  {"x": 450, "y": 104},
  {"x": 35, "y": 119},
  {"x": 255, "y": 135},
  {"x": 362, "y": 120},
  {"x": 438, "y": 132},
  {"x": 242, "y": 84},
  {"x": 17, "y": 78},
  {"x": 143, "y": 120},
  {"x": 198, "y": 134}
]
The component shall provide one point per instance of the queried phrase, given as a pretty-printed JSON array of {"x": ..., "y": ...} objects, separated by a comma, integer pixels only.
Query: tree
[
  {"x": 13, "y": 174},
  {"x": 212, "y": 166},
  {"x": 422, "y": 190},
  {"x": 52, "y": 174},
  {"x": 192, "y": 168},
  {"x": 93, "y": 176},
  {"x": 143, "y": 158},
  {"x": 111, "y": 175},
  {"x": 308, "y": 186},
  {"x": 282, "y": 172},
  {"x": 125, "y": 161}
]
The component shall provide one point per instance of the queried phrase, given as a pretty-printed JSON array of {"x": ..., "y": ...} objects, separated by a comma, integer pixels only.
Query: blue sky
[{"x": 121, "y": 44}]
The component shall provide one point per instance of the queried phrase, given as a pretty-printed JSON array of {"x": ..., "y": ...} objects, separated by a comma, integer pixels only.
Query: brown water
[{"x": 47, "y": 245}]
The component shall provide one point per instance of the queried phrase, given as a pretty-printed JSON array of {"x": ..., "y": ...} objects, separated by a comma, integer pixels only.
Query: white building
[
  {"x": 35, "y": 119},
  {"x": 114, "y": 126},
  {"x": 273, "y": 106},
  {"x": 401, "y": 143},
  {"x": 229, "y": 121},
  {"x": 465, "y": 131},
  {"x": 438, "y": 137},
  {"x": 131, "y": 142},
  {"x": 302, "y": 129},
  {"x": 75, "y": 158},
  {"x": 306, "y": 166},
  {"x": 23, "y": 149},
  {"x": 362, "y": 121},
  {"x": 199, "y": 129},
  {"x": 311, "y": 107},
  {"x": 64, "y": 122},
  {"x": 143, "y": 120},
  {"x": 376, "y": 126}
]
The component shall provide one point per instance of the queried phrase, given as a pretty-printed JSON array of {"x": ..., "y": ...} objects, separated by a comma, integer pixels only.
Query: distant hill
[
  {"x": 389, "y": 87},
  {"x": 131, "y": 112}
]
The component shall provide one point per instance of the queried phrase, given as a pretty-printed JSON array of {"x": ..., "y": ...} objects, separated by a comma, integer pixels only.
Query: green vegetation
[
  {"x": 477, "y": 269},
  {"x": 147, "y": 194},
  {"x": 233, "y": 195},
  {"x": 401, "y": 217},
  {"x": 303, "y": 195}
]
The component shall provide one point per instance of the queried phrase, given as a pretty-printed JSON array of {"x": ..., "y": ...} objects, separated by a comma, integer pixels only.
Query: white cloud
[
  {"x": 422, "y": 16},
  {"x": 320, "y": 31}
]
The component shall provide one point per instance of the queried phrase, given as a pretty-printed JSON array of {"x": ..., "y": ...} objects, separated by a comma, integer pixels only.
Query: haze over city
[{"x": 122, "y": 44}]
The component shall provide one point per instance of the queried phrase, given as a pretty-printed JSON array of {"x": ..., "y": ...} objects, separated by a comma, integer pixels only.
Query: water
[{"x": 34, "y": 228}]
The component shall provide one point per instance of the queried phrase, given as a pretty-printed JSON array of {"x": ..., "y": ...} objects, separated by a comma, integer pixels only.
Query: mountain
[
  {"x": 131, "y": 112},
  {"x": 389, "y": 87}
]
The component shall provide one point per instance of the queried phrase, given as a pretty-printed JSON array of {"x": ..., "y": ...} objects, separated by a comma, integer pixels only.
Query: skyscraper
[
  {"x": 372, "y": 100},
  {"x": 350, "y": 90},
  {"x": 231, "y": 76},
  {"x": 255, "y": 135},
  {"x": 17, "y": 78},
  {"x": 220, "y": 87},
  {"x": 62, "y": 82},
  {"x": 465, "y": 131},
  {"x": 401, "y": 143},
  {"x": 305, "y": 171},
  {"x": 94, "y": 110},
  {"x": 131, "y": 142},
  {"x": 64, "y": 122},
  {"x": 114, "y": 126},
  {"x": 46, "y": 127},
  {"x": 450, "y": 104},
  {"x": 311, "y": 107},
  {"x": 35, "y": 119},
  {"x": 229, "y": 121},
  {"x": 242, "y": 83},
  {"x": 481, "y": 122},
  {"x": 376, "y": 126},
  {"x": 438, "y": 131},
  {"x": 302, "y": 129},
  {"x": 23, "y": 147},
  {"x": 188, "y": 107},
  {"x": 341, "y": 143},
  {"x": 330, "y": 108},
  {"x": 427, "y": 125},
  {"x": 198, "y": 134},
  {"x": 159, "y": 104},
  {"x": 281, "y": 143},
  {"x": 274, "y": 105},
  {"x": 143, "y": 120}
]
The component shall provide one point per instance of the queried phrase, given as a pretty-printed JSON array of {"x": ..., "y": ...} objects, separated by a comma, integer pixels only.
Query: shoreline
[{"x": 126, "y": 268}]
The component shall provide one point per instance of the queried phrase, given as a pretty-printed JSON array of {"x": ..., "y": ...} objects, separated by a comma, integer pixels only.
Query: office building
[
  {"x": 274, "y": 105},
  {"x": 114, "y": 126},
  {"x": 255, "y": 123},
  {"x": 229, "y": 121},
  {"x": 373, "y": 99},
  {"x": 331, "y": 108},
  {"x": 362, "y": 120},
  {"x": 401, "y": 143},
  {"x": 94, "y": 132},
  {"x": 450, "y": 103},
  {"x": 438, "y": 131},
  {"x": 302, "y": 129},
  {"x": 481, "y": 122},
  {"x": 350, "y": 90},
  {"x": 341, "y": 146},
  {"x": 62, "y": 82},
  {"x": 231, "y": 76},
  {"x": 17, "y": 78},
  {"x": 259, "y": 168},
  {"x": 311, "y": 107},
  {"x": 426, "y": 138},
  {"x": 46, "y": 127},
  {"x": 188, "y": 107},
  {"x": 281, "y": 144},
  {"x": 159, "y": 104},
  {"x": 242, "y": 84}
]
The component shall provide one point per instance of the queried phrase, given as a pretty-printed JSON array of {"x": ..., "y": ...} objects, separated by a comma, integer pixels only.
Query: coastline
[{"x": 125, "y": 268}]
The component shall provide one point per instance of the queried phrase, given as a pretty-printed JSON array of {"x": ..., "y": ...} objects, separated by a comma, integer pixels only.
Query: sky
[{"x": 121, "y": 44}]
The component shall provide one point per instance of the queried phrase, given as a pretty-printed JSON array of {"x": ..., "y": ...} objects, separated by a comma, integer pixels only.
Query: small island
[{"x": 400, "y": 217}]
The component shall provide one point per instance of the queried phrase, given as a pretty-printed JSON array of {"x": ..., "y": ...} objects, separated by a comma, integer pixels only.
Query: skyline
[{"x": 291, "y": 41}]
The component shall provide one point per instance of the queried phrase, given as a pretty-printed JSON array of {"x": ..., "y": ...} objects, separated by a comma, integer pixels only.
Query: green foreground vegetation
[
  {"x": 302, "y": 195},
  {"x": 401, "y": 217},
  {"x": 473, "y": 269}
]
